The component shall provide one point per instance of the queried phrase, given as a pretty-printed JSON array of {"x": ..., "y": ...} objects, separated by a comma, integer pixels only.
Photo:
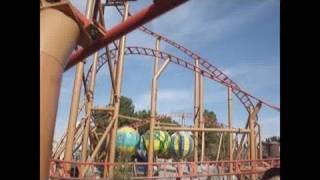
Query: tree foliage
[{"x": 127, "y": 108}]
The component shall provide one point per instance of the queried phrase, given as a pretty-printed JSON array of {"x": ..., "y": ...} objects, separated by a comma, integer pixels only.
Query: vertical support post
[
  {"x": 73, "y": 113},
  {"x": 153, "y": 109},
  {"x": 75, "y": 99},
  {"x": 196, "y": 112},
  {"x": 89, "y": 108},
  {"x": 156, "y": 63},
  {"x": 112, "y": 72},
  {"x": 201, "y": 119},
  {"x": 230, "y": 126},
  {"x": 153, "y": 115},
  {"x": 115, "y": 73},
  {"x": 252, "y": 141},
  {"x": 255, "y": 140},
  {"x": 247, "y": 153},
  {"x": 58, "y": 37},
  {"x": 155, "y": 69},
  {"x": 117, "y": 97},
  {"x": 260, "y": 144}
]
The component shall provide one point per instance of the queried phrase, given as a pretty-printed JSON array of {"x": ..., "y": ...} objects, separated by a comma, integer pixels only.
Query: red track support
[
  {"x": 133, "y": 22},
  {"x": 243, "y": 96}
]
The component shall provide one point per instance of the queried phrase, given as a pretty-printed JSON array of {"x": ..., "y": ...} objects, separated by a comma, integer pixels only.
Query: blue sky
[{"x": 240, "y": 37}]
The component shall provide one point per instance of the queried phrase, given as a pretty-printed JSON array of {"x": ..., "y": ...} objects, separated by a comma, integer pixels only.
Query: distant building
[{"x": 270, "y": 149}]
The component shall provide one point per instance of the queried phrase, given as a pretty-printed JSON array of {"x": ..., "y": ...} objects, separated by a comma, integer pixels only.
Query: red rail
[
  {"x": 243, "y": 96},
  {"x": 145, "y": 15},
  {"x": 240, "y": 167}
]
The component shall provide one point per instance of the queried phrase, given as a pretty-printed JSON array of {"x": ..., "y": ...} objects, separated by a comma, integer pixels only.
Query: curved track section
[
  {"x": 244, "y": 97},
  {"x": 163, "y": 55}
]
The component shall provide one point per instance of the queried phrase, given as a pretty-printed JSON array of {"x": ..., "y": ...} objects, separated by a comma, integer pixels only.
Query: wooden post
[
  {"x": 153, "y": 110},
  {"x": 251, "y": 142},
  {"x": 117, "y": 97},
  {"x": 89, "y": 108},
  {"x": 201, "y": 119},
  {"x": 254, "y": 113},
  {"x": 153, "y": 115},
  {"x": 75, "y": 100},
  {"x": 260, "y": 144},
  {"x": 196, "y": 112},
  {"x": 230, "y": 126},
  {"x": 252, "y": 120}
]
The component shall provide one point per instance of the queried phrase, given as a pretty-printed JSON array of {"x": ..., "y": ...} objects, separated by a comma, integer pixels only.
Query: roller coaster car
[{"x": 272, "y": 174}]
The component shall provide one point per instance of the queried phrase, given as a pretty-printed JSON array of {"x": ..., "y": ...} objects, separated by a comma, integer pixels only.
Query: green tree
[
  {"x": 211, "y": 138},
  {"x": 145, "y": 115},
  {"x": 127, "y": 109}
]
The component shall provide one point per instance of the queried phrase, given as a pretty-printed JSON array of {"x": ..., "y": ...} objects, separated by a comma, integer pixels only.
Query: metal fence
[{"x": 215, "y": 170}]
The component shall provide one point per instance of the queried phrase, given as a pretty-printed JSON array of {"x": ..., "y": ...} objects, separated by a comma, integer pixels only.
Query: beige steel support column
[
  {"x": 260, "y": 144},
  {"x": 196, "y": 112},
  {"x": 102, "y": 20},
  {"x": 114, "y": 73},
  {"x": 89, "y": 108},
  {"x": 256, "y": 135},
  {"x": 153, "y": 114},
  {"x": 252, "y": 141},
  {"x": 75, "y": 99},
  {"x": 201, "y": 117},
  {"x": 230, "y": 126},
  {"x": 58, "y": 36},
  {"x": 73, "y": 113},
  {"x": 117, "y": 97},
  {"x": 155, "y": 69},
  {"x": 254, "y": 113},
  {"x": 153, "y": 110}
]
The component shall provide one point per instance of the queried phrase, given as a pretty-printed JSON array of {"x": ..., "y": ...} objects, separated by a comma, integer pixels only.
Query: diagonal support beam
[{"x": 97, "y": 148}]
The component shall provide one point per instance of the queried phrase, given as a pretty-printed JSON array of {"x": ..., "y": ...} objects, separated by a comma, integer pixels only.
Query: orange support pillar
[{"x": 58, "y": 36}]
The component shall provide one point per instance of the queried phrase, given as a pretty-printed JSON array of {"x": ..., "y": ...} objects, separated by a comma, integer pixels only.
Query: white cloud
[
  {"x": 254, "y": 77},
  {"x": 169, "y": 100},
  {"x": 209, "y": 23}
]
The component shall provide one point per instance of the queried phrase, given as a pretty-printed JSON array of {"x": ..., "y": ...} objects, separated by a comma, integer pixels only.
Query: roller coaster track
[{"x": 244, "y": 97}]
